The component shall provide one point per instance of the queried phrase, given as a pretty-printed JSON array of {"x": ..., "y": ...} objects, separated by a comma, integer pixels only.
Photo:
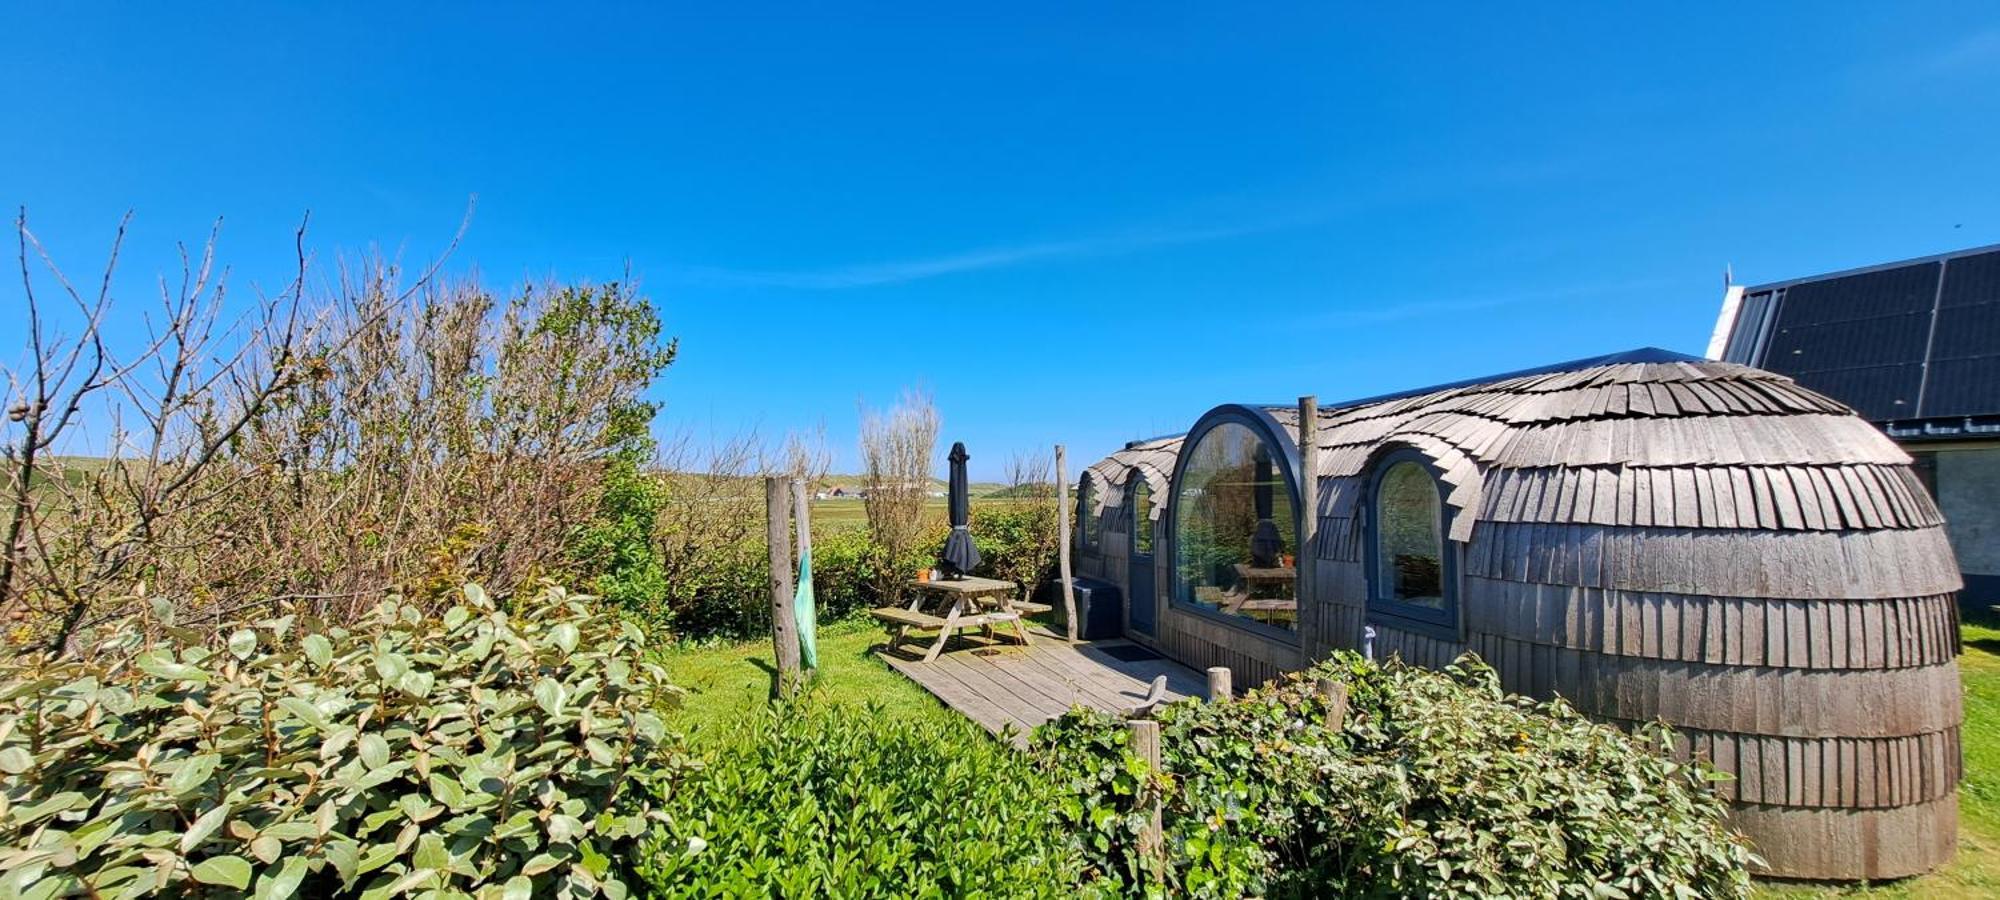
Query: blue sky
[{"x": 1072, "y": 222}]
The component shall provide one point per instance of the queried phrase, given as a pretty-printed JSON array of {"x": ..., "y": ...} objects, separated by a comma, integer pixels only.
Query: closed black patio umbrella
[
  {"x": 1265, "y": 544},
  {"x": 960, "y": 556}
]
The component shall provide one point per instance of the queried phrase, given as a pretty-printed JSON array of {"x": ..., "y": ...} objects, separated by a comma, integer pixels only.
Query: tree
[{"x": 896, "y": 451}]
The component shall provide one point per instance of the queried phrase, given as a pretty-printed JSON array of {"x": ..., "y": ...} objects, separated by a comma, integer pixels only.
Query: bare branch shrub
[
  {"x": 896, "y": 451},
  {"x": 332, "y": 443}
]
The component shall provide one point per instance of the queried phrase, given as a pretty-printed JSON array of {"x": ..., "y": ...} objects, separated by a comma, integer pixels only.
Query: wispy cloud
[
  {"x": 1421, "y": 309},
  {"x": 1977, "y": 50},
  {"x": 997, "y": 257}
]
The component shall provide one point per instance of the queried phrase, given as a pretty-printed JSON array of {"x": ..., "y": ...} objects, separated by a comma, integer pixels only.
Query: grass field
[
  {"x": 727, "y": 682},
  {"x": 843, "y": 513}
]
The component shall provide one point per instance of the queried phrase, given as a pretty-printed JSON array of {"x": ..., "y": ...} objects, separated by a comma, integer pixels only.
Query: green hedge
[
  {"x": 837, "y": 801},
  {"x": 481, "y": 751},
  {"x": 1438, "y": 784}
]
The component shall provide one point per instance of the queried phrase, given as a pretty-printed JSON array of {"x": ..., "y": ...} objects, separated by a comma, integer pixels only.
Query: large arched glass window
[
  {"x": 1235, "y": 531},
  {"x": 1411, "y": 570}
]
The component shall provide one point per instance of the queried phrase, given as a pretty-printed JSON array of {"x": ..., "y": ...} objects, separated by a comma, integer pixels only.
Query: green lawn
[{"x": 726, "y": 682}]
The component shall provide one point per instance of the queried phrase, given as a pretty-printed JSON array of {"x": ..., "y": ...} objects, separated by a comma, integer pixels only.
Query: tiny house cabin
[{"x": 1648, "y": 535}]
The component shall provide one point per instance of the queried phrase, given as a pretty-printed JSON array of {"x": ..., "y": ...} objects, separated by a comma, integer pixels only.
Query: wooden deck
[{"x": 1009, "y": 689}]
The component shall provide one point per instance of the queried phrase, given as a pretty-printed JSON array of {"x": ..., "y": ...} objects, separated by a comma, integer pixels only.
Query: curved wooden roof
[{"x": 1152, "y": 458}]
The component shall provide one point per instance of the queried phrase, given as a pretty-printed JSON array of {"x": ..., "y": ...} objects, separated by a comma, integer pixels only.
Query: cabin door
[{"x": 1139, "y": 577}]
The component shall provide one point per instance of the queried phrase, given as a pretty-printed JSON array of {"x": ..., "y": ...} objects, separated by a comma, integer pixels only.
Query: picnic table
[
  {"x": 959, "y": 603},
  {"x": 1265, "y": 590}
]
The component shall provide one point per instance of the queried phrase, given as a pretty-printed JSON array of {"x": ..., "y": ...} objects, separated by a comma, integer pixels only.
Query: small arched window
[
  {"x": 1142, "y": 515},
  {"x": 1411, "y": 572},
  {"x": 1087, "y": 524}
]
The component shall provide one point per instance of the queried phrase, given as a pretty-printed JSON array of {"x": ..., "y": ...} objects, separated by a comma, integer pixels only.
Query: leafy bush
[
  {"x": 1438, "y": 784},
  {"x": 834, "y": 801},
  {"x": 482, "y": 750},
  {"x": 1017, "y": 541}
]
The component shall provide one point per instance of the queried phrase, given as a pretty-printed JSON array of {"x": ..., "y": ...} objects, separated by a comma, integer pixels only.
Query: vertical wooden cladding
[{"x": 1698, "y": 542}]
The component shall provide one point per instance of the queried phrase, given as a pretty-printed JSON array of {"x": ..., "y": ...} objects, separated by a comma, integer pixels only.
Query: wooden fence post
[
  {"x": 1335, "y": 692},
  {"x": 1219, "y": 688},
  {"x": 1146, "y": 746},
  {"x": 802, "y": 517},
  {"x": 1062, "y": 546},
  {"x": 784, "y": 625},
  {"x": 1303, "y": 582}
]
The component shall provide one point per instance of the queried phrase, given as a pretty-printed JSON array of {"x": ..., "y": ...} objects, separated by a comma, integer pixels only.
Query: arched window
[
  {"x": 1088, "y": 527},
  {"x": 1411, "y": 572},
  {"x": 1233, "y": 523},
  {"x": 1142, "y": 515}
]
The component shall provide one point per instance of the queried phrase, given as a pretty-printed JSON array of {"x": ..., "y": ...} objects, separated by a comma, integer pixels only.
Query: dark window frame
[
  {"x": 1445, "y": 623},
  {"x": 1285, "y": 459}
]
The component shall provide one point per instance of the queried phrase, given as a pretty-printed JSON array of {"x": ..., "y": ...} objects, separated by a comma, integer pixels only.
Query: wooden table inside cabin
[
  {"x": 966, "y": 603},
  {"x": 1251, "y": 578}
]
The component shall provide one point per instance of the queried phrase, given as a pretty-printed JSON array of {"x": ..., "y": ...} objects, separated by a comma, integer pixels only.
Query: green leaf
[
  {"x": 319, "y": 650},
  {"x": 203, "y": 826},
  {"x": 374, "y": 751},
  {"x": 390, "y": 666},
  {"x": 267, "y": 848},
  {"x": 447, "y": 791},
  {"x": 161, "y": 664},
  {"x": 242, "y": 643},
  {"x": 346, "y": 858},
  {"x": 284, "y": 882},
  {"x": 228, "y": 871},
  {"x": 565, "y": 635},
  {"x": 431, "y": 853},
  {"x": 15, "y": 760},
  {"x": 416, "y": 683},
  {"x": 305, "y": 712},
  {"x": 193, "y": 773},
  {"x": 550, "y": 696},
  {"x": 519, "y": 887}
]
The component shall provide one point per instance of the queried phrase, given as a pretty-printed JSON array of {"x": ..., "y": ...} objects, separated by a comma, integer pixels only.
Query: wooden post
[
  {"x": 784, "y": 625},
  {"x": 1303, "y": 585},
  {"x": 1335, "y": 692},
  {"x": 1219, "y": 688},
  {"x": 802, "y": 515},
  {"x": 1062, "y": 546},
  {"x": 1146, "y": 746}
]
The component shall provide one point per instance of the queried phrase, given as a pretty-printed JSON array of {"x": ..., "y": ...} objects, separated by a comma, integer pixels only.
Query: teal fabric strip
[{"x": 807, "y": 613}]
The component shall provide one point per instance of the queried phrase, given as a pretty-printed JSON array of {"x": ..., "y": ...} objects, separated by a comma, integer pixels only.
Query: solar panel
[
  {"x": 1858, "y": 338},
  {"x": 1965, "y": 354},
  {"x": 1902, "y": 342}
]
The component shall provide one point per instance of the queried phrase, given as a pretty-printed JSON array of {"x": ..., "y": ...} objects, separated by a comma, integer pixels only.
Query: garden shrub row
[
  {"x": 728, "y": 595},
  {"x": 481, "y": 751},
  {"x": 830, "y": 800},
  {"x": 1434, "y": 784}
]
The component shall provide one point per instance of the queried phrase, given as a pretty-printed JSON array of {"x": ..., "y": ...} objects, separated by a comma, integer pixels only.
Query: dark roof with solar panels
[{"x": 1914, "y": 346}]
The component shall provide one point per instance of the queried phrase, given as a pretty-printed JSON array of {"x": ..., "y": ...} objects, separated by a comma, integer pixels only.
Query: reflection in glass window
[
  {"x": 1235, "y": 534},
  {"x": 1142, "y": 515},
  {"x": 1409, "y": 538},
  {"x": 1087, "y": 524}
]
